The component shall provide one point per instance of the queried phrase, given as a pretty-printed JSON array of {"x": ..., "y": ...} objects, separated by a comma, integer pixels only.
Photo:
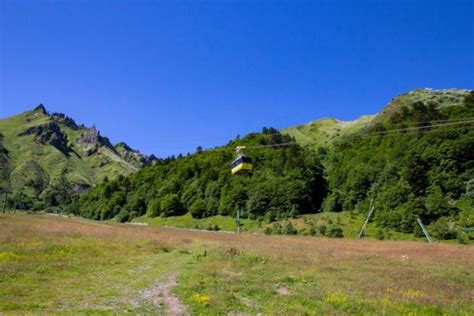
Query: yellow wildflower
[{"x": 201, "y": 298}]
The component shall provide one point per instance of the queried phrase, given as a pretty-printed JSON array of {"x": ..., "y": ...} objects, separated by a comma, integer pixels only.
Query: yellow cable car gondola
[{"x": 242, "y": 164}]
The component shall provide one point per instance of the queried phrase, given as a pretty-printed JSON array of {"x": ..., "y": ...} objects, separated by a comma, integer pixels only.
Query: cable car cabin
[{"x": 242, "y": 165}]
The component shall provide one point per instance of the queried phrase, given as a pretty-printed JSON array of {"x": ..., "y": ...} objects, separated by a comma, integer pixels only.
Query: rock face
[
  {"x": 40, "y": 109},
  {"x": 49, "y": 134},
  {"x": 91, "y": 140},
  {"x": 66, "y": 120},
  {"x": 133, "y": 156}
]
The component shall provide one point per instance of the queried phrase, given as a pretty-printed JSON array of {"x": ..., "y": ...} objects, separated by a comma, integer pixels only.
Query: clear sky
[{"x": 167, "y": 76}]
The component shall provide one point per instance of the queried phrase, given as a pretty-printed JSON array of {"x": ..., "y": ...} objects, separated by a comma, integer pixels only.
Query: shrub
[
  {"x": 154, "y": 209},
  {"x": 268, "y": 230},
  {"x": 442, "y": 230},
  {"x": 277, "y": 229},
  {"x": 335, "y": 232},
  {"x": 123, "y": 216},
  {"x": 462, "y": 237},
  {"x": 322, "y": 229},
  {"x": 380, "y": 234},
  {"x": 198, "y": 208},
  {"x": 290, "y": 229},
  {"x": 171, "y": 205}
]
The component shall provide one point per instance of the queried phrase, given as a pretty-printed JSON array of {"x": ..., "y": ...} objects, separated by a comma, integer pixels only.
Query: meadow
[
  {"x": 60, "y": 265},
  {"x": 349, "y": 223}
]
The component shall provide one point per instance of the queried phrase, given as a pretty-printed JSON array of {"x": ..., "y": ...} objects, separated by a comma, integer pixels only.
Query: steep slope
[
  {"x": 46, "y": 150},
  {"x": 323, "y": 132},
  {"x": 133, "y": 156}
]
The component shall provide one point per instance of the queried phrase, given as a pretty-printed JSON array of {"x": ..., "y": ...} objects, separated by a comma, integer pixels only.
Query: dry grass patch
[{"x": 53, "y": 264}]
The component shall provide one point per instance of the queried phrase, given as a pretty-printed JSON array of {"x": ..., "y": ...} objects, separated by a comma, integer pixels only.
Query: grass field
[
  {"x": 349, "y": 223},
  {"x": 55, "y": 265}
]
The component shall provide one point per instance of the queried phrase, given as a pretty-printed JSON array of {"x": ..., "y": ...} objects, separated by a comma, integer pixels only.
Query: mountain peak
[{"x": 40, "y": 109}]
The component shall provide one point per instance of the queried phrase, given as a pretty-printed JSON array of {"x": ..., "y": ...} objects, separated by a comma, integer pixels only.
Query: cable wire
[{"x": 393, "y": 132}]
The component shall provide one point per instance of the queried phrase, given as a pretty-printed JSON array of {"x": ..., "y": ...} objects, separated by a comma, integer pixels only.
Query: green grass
[
  {"x": 221, "y": 283},
  {"x": 224, "y": 223},
  {"x": 55, "y": 265},
  {"x": 78, "y": 272},
  {"x": 350, "y": 224},
  {"x": 322, "y": 133}
]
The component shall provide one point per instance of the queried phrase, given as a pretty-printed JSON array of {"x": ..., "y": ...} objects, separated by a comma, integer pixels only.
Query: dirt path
[{"x": 160, "y": 295}]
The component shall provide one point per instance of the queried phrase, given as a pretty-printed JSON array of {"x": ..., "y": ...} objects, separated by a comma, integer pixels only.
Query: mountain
[
  {"x": 414, "y": 159},
  {"x": 41, "y": 150},
  {"x": 324, "y": 132}
]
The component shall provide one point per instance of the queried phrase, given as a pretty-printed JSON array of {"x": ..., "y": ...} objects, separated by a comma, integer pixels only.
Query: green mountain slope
[
  {"x": 413, "y": 159},
  {"x": 40, "y": 151},
  {"x": 322, "y": 133}
]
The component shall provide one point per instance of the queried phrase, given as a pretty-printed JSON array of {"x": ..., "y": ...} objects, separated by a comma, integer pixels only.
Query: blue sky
[{"x": 167, "y": 76}]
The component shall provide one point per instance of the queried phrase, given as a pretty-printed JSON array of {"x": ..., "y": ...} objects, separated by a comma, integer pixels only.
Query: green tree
[
  {"x": 171, "y": 206},
  {"x": 198, "y": 208},
  {"x": 154, "y": 208}
]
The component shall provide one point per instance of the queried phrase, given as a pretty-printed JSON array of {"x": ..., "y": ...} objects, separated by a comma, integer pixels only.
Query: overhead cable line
[
  {"x": 286, "y": 133},
  {"x": 392, "y": 132}
]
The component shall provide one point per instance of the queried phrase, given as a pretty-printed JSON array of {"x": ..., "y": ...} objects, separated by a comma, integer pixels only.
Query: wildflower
[
  {"x": 336, "y": 298},
  {"x": 411, "y": 293},
  {"x": 201, "y": 298}
]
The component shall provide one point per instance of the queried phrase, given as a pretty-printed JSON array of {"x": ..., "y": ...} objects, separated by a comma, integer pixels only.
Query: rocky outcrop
[
  {"x": 134, "y": 157},
  {"x": 64, "y": 119},
  {"x": 91, "y": 140},
  {"x": 49, "y": 134},
  {"x": 40, "y": 109}
]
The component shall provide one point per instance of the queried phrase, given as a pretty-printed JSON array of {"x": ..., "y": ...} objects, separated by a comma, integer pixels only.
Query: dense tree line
[
  {"x": 287, "y": 181},
  {"x": 417, "y": 172}
]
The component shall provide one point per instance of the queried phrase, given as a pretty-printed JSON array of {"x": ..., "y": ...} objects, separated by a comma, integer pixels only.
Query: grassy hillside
[
  {"x": 441, "y": 99},
  {"x": 49, "y": 150},
  {"x": 323, "y": 133},
  {"x": 53, "y": 266}
]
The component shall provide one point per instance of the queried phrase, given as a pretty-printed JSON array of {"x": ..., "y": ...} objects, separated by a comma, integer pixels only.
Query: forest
[{"x": 287, "y": 181}]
